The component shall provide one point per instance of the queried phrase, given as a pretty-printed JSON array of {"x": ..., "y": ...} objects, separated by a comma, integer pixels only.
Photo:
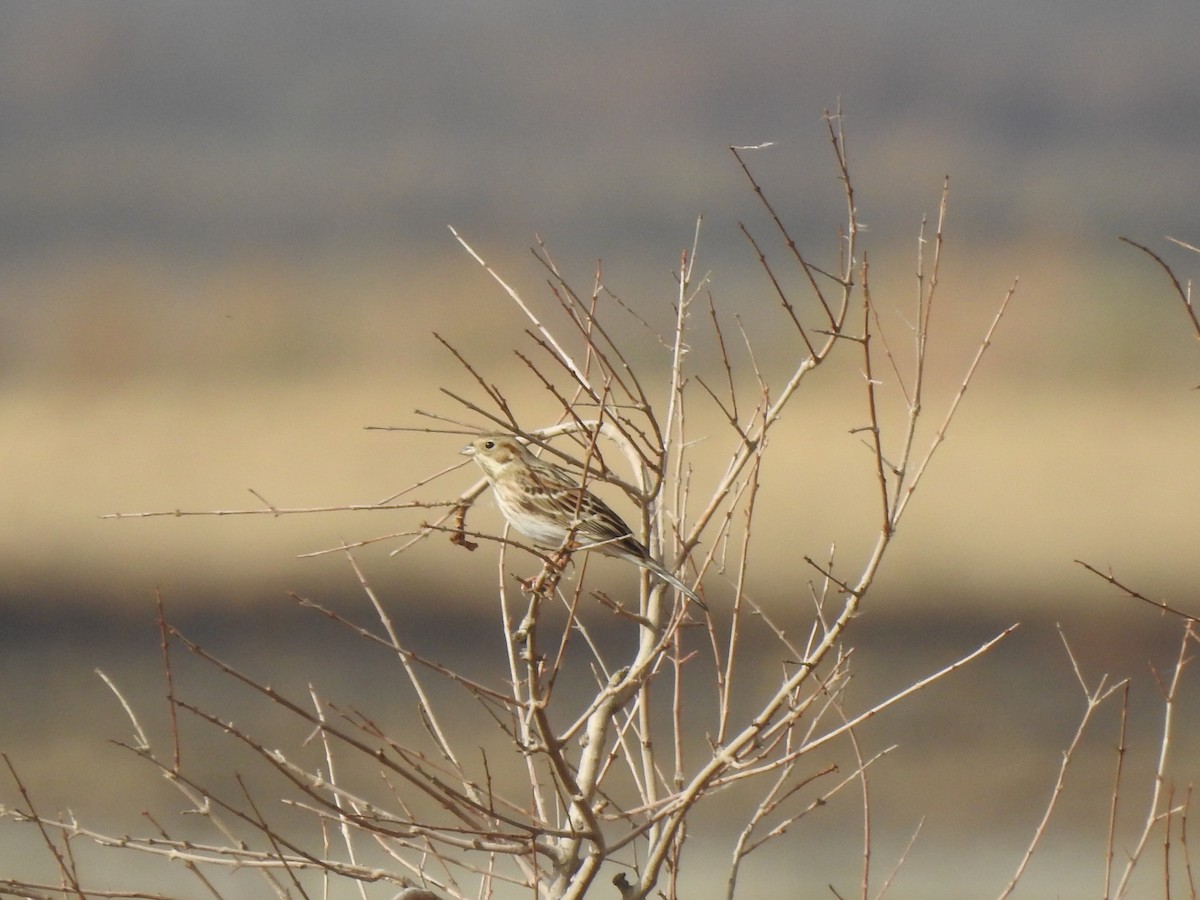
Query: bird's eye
[{"x": 489, "y": 445}]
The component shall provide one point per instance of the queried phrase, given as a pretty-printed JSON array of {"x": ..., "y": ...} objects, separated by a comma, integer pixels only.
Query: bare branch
[
  {"x": 1130, "y": 592},
  {"x": 1184, "y": 295}
]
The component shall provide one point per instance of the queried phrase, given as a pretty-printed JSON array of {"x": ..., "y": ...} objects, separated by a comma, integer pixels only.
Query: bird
[{"x": 546, "y": 504}]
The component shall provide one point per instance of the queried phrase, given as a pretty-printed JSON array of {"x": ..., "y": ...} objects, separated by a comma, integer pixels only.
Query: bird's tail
[{"x": 659, "y": 570}]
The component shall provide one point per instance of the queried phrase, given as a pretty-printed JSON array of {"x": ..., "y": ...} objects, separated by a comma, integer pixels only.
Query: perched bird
[{"x": 546, "y": 504}]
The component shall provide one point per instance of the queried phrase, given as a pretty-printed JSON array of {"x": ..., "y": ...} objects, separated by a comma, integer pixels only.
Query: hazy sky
[{"x": 201, "y": 127}]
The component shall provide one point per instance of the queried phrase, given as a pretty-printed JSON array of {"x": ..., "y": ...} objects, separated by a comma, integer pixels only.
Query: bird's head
[{"x": 495, "y": 452}]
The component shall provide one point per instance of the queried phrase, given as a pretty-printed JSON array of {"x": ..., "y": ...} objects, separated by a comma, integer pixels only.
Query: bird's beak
[{"x": 468, "y": 450}]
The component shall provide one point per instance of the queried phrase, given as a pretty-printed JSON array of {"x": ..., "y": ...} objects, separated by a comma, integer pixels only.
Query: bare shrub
[{"x": 597, "y": 786}]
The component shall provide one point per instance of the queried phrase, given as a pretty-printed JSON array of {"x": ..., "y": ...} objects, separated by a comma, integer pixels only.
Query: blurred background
[{"x": 224, "y": 251}]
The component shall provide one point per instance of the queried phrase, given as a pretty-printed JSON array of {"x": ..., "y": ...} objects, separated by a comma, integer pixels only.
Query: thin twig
[
  {"x": 1130, "y": 592},
  {"x": 1093, "y": 698}
]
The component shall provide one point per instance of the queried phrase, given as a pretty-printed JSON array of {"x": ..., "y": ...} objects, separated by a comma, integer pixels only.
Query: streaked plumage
[{"x": 545, "y": 504}]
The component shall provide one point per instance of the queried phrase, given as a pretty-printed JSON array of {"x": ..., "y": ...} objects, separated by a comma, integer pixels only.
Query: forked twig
[{"x": 1093, "y": 699}]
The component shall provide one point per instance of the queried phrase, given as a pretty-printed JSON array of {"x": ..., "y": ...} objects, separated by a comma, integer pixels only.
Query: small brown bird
[{"x": 546, "y": 505}]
